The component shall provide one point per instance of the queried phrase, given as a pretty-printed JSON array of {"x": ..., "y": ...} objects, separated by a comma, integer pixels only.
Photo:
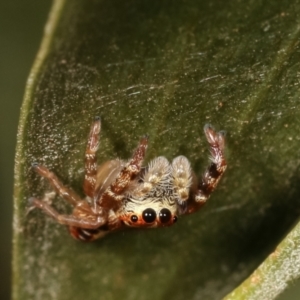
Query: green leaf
[
  {"x": 275, "y": 274},
  {"x": 164, "y": 68}
]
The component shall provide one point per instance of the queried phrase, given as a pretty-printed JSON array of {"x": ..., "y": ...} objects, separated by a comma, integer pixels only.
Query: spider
[{"x": 123, "y": 193}]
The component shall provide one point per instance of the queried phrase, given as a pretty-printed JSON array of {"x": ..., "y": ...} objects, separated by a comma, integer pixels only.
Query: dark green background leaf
[
  {"x": 21, "y": 29},
  {"x": 164, "y": 68}
]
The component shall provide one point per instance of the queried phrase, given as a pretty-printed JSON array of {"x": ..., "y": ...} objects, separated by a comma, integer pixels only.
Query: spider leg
[
  {"x": 89, "y": 222},
  {"x": 88, "y": 235},
  {"x": 213, "y": 173},
  {"x": 90, "y": 158},
  {"x": 113, "y": 194},
  {"x": 58, "y": 186}
]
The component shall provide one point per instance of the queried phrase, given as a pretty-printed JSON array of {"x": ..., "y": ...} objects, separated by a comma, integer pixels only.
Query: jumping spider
[{"x": 123, "y": 193}]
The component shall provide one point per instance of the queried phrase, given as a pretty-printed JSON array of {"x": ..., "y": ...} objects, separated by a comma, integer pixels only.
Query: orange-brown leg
[
  {"x": 213, "y": 173},
  {"x": 110, "y": 197},
  {"x": 89, "y": 222},
  {"x": 58, "y": 186},
  {"x": 91, "y": 159}
]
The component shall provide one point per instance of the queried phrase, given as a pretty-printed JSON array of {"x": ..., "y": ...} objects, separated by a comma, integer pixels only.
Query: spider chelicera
[{"x": 123, "y": 193}]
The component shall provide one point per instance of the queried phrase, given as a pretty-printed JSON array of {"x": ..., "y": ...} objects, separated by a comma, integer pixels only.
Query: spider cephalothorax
[{"x": 123, "y": 193}]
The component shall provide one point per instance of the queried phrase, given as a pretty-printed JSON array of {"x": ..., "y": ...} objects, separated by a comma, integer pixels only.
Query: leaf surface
[{"x": 164, "y": 68}]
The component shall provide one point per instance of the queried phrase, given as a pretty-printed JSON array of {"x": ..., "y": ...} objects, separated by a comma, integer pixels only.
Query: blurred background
[
  {"x": 21, "y": 25},
  {"x": 21, "y": 29}
]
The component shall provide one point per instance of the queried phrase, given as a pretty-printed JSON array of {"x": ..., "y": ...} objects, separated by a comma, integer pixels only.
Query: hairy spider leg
[
  {"x": 92, "y": 222},
  {"x": 91, "y": 159},
  {"x": 112, "y": 197},
  {"x": 214, "y": 172},
  {"x": 57, "y": 185}
]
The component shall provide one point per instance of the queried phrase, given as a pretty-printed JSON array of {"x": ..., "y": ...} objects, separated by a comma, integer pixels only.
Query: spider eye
[
  {"x": 165, "y": 215},
  {"x": 149, "y": 215},
  {"x": 174, "y": 219},
  {"x": 134, "y": 218}
]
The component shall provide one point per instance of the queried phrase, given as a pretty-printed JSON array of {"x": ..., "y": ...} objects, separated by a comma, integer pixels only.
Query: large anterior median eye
[
  {"x": 165, "y": 215},
  {"x": 149, "y": 215}
]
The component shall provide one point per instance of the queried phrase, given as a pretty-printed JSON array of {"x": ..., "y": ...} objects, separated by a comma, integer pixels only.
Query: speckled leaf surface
[{"x": 164, "y": 68}]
